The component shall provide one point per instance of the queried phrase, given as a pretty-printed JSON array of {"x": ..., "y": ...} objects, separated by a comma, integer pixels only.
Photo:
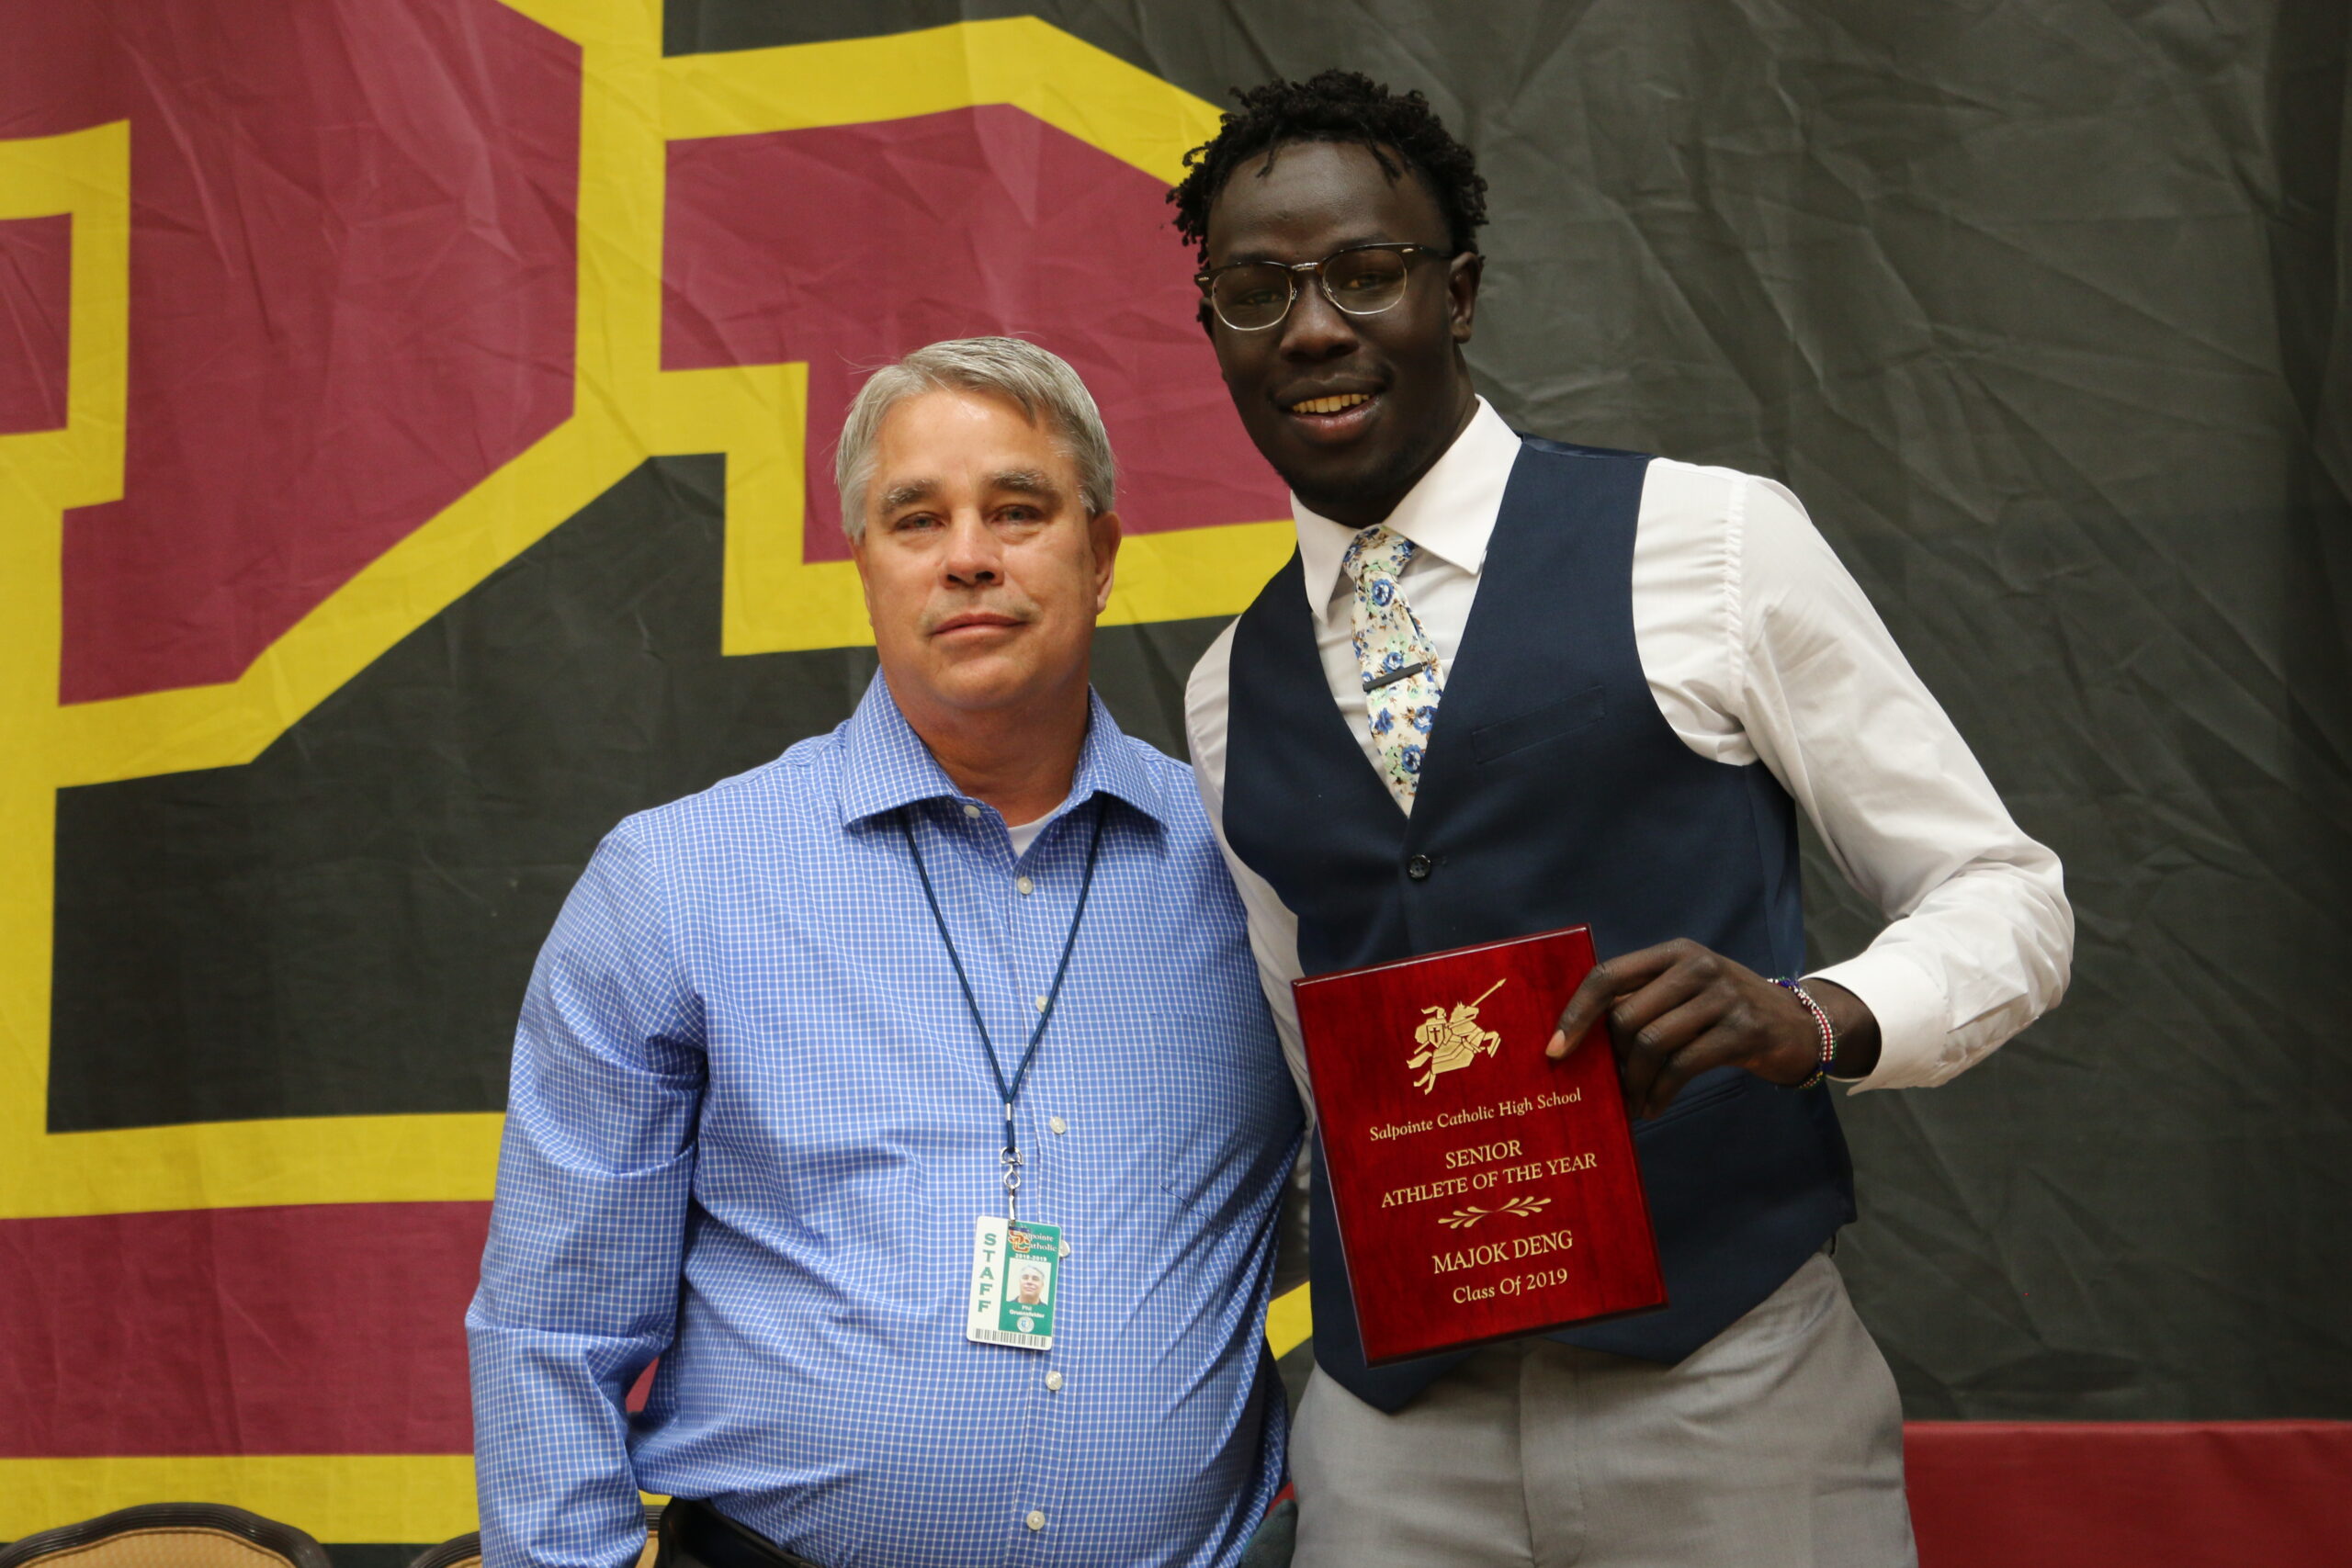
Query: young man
[
  {"x": 817, "y": 1060},
  {"x": 1506, "y": 685}
]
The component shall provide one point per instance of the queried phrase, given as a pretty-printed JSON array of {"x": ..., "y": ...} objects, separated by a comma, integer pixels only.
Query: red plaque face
[{"x": 1484, "y": 1192}]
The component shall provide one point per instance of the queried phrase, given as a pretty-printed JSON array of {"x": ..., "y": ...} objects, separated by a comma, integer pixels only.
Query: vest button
[{"x": 1418, "y": 868}]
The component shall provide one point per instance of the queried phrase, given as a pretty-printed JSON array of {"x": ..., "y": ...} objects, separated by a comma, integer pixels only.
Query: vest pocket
[{"x": 1579, "y": 710}]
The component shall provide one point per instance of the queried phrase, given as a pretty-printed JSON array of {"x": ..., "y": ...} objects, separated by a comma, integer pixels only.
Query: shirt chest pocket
[
  {"x": 1223, "y": 1107},
  {"x": 811, "y": 1118}
]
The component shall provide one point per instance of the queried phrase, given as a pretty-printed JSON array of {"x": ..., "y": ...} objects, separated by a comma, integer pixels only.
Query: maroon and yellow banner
[{"x": 316, "y": 321}]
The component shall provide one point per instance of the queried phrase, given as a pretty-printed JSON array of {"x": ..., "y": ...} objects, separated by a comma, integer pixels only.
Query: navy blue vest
[{"x": 1551, "y": 794}]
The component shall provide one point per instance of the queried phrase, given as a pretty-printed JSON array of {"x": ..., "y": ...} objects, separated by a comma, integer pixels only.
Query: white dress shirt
[{"x": 1758, "y": 645}]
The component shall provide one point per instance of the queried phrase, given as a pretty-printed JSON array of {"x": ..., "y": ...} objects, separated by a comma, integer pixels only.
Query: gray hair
[{"x": 1032, "y": 378}]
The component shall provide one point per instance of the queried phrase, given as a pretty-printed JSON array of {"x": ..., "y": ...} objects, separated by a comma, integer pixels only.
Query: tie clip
[{"x": 1394, "y": 676}]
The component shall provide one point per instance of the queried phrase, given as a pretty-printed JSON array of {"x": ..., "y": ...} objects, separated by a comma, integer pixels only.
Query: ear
[
  {"x": 1102, "y": 533},
  {"x": 1461, "y": 292}
]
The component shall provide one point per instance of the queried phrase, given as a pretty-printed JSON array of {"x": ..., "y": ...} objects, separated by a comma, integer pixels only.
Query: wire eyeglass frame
[{"x": 1291, "y": 272}]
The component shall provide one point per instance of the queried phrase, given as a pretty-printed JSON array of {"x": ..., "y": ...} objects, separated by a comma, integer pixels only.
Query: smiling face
[
  {"x": 1351, "y": 409},
  {"x": 983, "y": 574}
]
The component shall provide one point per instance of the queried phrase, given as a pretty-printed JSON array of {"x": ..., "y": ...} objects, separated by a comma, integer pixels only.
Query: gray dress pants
[{"x": 1777, "y": 1444}]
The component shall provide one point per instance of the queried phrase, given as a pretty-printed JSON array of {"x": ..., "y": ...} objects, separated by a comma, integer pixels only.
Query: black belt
[{"x": 696, "y": 1534}]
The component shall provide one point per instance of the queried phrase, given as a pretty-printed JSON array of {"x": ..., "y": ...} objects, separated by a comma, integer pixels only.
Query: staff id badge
[{"x": 1013, "y": 1268}]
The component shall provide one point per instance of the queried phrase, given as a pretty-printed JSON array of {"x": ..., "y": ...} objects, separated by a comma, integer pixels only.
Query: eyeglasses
[{"x": 1362, "y": 281}]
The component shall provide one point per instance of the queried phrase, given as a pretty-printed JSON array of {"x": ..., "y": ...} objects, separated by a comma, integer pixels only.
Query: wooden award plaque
[{"x": 1484, "y": 1192}]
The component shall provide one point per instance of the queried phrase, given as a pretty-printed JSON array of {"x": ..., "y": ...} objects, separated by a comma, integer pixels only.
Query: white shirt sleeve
[
  {"x": 1273, "y": 930},
  {"x": 1771, "y": 651}
]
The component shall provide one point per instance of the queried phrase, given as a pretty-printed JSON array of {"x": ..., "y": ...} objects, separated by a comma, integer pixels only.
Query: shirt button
[
  {"x": 1023, "y": 886},
  {"x": 1041, "y": 1003},
  {"x": 1054, "y": 1381},
  {"x": 970, "y": 809},
  {"x": 1065, "y": 1249},
  {"x": 1418, "y": 868},
  {"x": 1059, "y": 1125},
  {"x": 1035, "y": 1521}
]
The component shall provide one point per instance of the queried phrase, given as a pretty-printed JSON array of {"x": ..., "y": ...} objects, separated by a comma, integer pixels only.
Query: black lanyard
[{"x": 1008, "y": 1092}]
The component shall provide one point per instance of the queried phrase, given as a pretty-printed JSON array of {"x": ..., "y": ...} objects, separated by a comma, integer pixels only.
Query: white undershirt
[
  {"x": 1758, "y": 645},
  {"x": 1025, "y": 834}
]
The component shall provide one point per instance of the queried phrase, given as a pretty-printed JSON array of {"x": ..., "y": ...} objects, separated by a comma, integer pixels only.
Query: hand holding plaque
[{"x": 1484, "y": 1192}]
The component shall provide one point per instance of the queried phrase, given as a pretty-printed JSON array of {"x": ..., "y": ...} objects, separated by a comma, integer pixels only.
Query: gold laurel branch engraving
[{"x": 1462, "y": 1219}]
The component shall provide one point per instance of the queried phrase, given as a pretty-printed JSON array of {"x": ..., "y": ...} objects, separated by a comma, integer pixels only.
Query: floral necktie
[{"x": 1401, "y": 684}]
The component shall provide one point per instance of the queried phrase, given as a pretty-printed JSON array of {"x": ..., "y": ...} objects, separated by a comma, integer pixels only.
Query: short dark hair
[{"x": 1336, "y": 105}]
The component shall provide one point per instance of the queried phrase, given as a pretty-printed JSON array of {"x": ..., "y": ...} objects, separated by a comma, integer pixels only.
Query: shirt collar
[
  {"x": 886, "y": 765},
  {"x": 1450, "y": 512}
]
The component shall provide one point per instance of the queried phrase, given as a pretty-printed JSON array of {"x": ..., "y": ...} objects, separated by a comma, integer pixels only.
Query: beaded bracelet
[{"x": 1820, "y": 1022}]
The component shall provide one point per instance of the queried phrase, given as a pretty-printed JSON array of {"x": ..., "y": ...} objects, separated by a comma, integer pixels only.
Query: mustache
[{"x": 1018, "y": 607}]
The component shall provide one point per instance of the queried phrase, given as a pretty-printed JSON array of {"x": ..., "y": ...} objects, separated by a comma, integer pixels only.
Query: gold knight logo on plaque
[{"x": 1450, "y": 1042}]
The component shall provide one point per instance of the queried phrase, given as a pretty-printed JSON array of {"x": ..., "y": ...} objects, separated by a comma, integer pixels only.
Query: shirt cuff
[{"x": 1911, "y": 1013}]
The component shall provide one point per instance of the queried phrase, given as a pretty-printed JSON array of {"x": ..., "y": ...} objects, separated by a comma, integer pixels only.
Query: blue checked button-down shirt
[{"x": 751, "y": 1127}]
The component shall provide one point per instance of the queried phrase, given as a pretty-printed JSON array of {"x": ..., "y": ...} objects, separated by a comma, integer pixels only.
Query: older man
[{"x": 815, "y": 1061}]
